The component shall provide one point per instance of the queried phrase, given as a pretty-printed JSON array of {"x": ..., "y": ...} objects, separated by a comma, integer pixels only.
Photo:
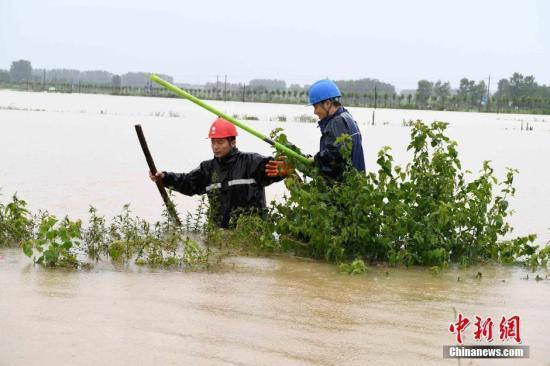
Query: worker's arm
[{"x": 191, "y": 183}]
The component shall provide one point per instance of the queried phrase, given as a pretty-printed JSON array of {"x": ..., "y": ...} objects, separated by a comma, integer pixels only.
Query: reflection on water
[{"x": 255, "y": 311}]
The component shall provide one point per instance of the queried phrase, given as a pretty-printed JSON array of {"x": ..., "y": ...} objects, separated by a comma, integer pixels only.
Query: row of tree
[
  {"x": 470, "y": 94},
  {"x": 520, "y": 91},
  {"x": 516, "y": 93},
  {"x": 22, "y": 71}
]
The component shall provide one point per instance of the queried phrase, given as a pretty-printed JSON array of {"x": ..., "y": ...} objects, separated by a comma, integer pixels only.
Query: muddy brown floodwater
[
  {"x": 63, "y": 152},
  {"x": 258, "y": 311}
]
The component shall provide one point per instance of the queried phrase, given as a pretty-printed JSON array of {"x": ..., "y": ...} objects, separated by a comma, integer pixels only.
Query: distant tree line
[
  {"x": 517, "y": 94},
  {"x": 22, "y": 71},
  {"x": 365, "y": 86},
  {"x": 522, "y": 92},
  {"x": 267, "y": 84},
  {"x": 439, "y": 95},
  {"x": 257, "y": 85},
  {"x": 428, "y": 92}
]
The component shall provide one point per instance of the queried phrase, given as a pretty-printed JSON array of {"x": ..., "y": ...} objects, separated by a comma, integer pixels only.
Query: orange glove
[{"x": 278, "y": 168}]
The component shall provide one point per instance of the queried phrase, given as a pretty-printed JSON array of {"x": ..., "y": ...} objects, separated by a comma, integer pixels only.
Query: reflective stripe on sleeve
[
  {"x": 213, "y": 186},
  {"x": 236, "y": 182}
]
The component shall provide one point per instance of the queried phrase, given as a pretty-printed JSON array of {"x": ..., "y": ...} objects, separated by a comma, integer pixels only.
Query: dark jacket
[
  {"x": 235, "y": 181},
  {"x": 329, "y": 159}
]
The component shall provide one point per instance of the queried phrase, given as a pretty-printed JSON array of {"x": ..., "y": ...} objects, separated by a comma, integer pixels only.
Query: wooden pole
[{"x": 169, "y": 205}]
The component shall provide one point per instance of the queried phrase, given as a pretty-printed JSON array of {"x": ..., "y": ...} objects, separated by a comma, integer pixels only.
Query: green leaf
[{"x": 27, "y": 248}]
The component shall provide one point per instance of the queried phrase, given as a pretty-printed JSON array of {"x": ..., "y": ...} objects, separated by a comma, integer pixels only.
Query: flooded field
[
  {"x": 63, "y": 152},
  {"x": 256, "y": 311}
]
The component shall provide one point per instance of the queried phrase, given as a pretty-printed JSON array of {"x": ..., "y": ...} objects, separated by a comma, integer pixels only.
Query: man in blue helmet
[{"x": 334, "y": 120}]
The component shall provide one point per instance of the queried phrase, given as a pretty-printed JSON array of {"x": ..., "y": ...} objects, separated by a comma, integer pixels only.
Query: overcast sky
[{"x": 299, "y": 41}]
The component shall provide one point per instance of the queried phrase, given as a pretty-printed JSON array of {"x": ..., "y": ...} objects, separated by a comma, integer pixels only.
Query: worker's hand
[
  {"x": 278, "y": 168},
  {"x": 156, "y": 177}
]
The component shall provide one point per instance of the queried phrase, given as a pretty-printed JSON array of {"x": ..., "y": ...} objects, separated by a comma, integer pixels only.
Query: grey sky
[{"x": 300, "y": 41}]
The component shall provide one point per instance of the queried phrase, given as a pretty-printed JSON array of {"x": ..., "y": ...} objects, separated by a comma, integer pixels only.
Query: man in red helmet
[{"x": 234, "y": 180}]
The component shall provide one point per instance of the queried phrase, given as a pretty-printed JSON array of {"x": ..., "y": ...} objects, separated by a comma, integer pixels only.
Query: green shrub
[
  {"x": 15, "y": 222},
  {"x": 55, "y": 242},
  {"x": 356, "y": 267},
  {"x": 425, "y": 213}
]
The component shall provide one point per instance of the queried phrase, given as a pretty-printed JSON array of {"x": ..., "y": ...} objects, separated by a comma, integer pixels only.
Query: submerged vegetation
[
  {"x": 55, "y": 242},
  {"x": 430, "y": 212},
  {"x": 15, "y": 222}
]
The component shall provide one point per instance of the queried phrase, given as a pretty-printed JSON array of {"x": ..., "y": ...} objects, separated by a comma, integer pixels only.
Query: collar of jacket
[
  {"x": 230, "y": 157},
  {"x": 324, "y": 122}
]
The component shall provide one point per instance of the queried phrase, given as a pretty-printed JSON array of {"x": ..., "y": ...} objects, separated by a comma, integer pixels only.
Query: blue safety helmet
[{"x": 322, "y": 90}]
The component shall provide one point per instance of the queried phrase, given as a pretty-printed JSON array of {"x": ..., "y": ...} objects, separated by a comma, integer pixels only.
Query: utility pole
[
  {"x": 375, "y": 96},
  {"x": 44, "y": 81},
  {"x": 489, "y": 94},
  {"x": 244, "y": 90},
  {"x": 225, "y": 88}
]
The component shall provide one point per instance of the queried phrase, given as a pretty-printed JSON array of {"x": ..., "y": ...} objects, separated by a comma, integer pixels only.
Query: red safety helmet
[{"x": 221, "y": 129}]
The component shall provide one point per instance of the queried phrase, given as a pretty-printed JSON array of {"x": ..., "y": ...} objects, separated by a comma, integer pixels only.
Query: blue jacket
[{"x": 329, "y": 159}]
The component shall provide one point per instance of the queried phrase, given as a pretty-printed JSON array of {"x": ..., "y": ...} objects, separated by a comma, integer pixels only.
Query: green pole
[{"x": 186, "y": 95}]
